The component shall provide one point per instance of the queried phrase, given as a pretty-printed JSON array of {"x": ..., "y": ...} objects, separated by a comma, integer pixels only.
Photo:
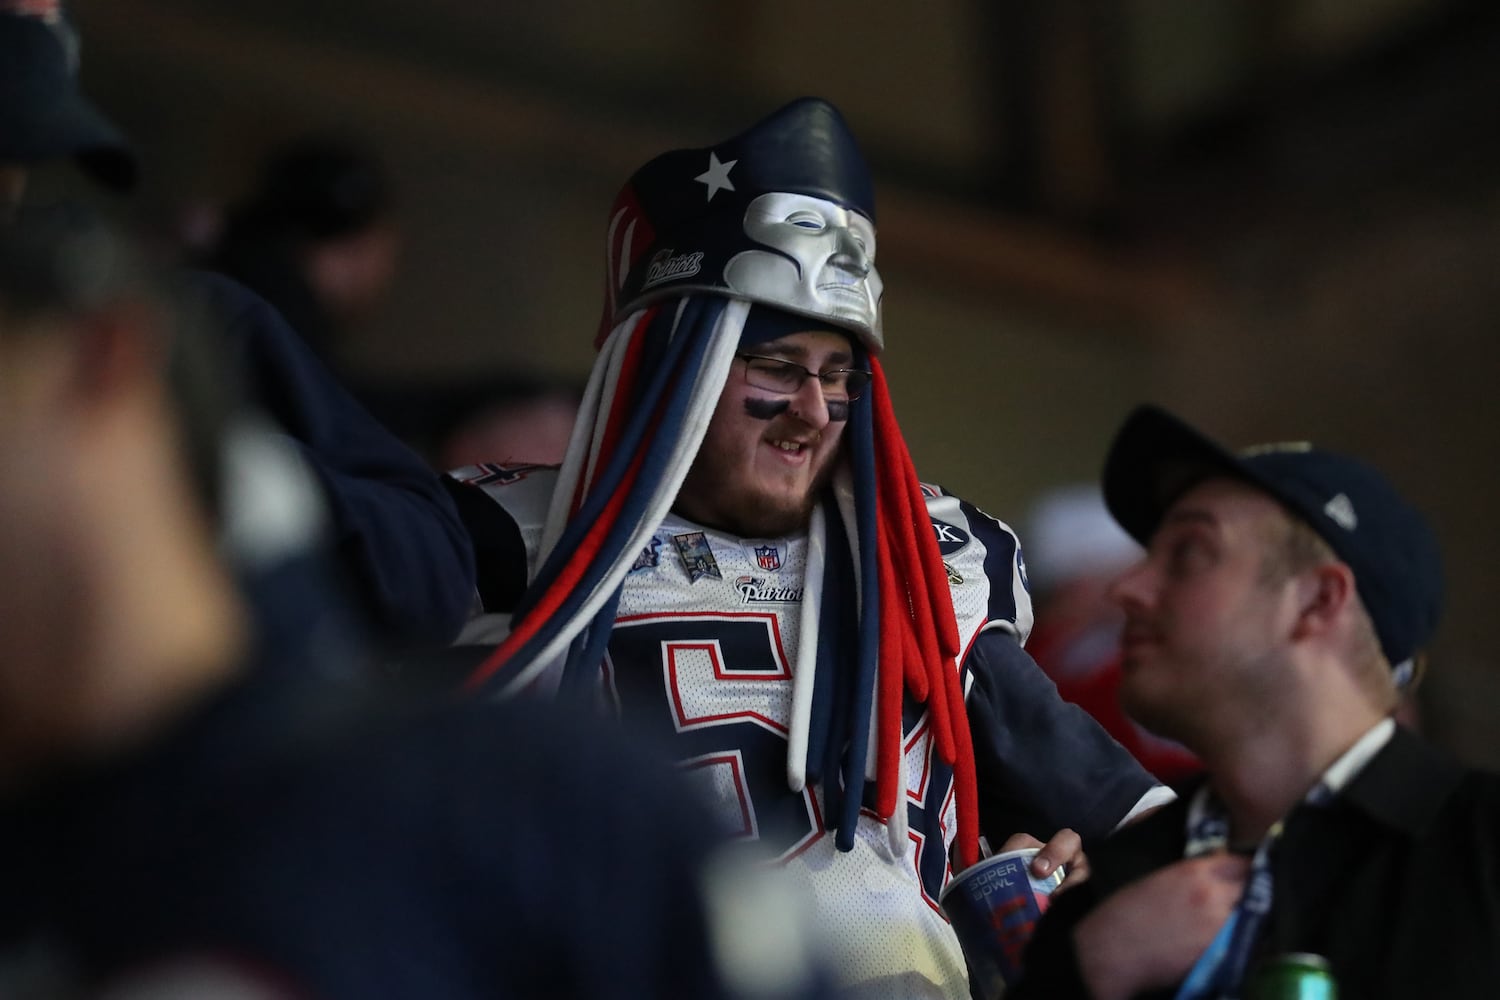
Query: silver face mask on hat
[{"x": 824, "y": 265}]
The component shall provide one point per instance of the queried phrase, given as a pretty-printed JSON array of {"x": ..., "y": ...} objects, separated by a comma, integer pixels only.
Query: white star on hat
[{"x": 716, "y": 177}]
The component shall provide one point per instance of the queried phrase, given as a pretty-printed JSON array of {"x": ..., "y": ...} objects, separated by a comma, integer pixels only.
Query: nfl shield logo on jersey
[{"x": 767, "y": 558}]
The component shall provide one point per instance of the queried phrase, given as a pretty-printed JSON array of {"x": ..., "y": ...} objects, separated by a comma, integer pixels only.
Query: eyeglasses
[{"x": 780, "y": 375}]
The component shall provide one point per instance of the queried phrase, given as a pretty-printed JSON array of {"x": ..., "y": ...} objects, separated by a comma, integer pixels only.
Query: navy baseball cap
[
  {"x": 43, "y": 115},
  {"x": 1385, "y": 542}
]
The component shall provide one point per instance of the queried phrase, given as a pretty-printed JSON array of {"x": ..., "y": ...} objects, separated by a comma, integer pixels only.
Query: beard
[
  {"x": 712, "y": 496},
  {"x": 773, "y": 517}
]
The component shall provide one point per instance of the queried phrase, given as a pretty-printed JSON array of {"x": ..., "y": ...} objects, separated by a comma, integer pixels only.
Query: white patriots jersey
[{"x": 702, "y": 654}]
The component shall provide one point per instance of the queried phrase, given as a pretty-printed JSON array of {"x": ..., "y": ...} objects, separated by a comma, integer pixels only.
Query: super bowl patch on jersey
[
  {"x": 697, "y": 557},
  {"x": 650, "y": 554}
]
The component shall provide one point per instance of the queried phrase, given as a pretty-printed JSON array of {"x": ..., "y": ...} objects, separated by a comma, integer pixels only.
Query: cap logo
[
  {"x": 716, "y": 177},
  {"x": 1276, "y": 447},
  {"x": 1403, "y": 673},
  {"x": 1341, "y": 511}
]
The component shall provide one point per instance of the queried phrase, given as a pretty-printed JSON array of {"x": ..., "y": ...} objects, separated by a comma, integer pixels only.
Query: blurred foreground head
[{"x": 114, "y": 605}]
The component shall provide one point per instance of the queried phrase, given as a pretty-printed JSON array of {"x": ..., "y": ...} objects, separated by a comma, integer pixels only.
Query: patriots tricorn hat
[
  {"x": 43, "y": 116},
  {"x": 1385, "y": 542},
  {"x": 782, "y": 214}
]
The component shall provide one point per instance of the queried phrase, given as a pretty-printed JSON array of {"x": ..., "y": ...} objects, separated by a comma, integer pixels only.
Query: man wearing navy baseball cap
[
  {"x": 1284, "y": 600},
  {"x": 43, "y": 115}
]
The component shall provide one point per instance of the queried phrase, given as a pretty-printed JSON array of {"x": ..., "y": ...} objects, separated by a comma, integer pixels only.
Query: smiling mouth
[{"x": 791, "y": 452}]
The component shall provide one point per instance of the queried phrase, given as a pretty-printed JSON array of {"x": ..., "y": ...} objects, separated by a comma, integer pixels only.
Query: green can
[{"x": 1292, "y": 976}]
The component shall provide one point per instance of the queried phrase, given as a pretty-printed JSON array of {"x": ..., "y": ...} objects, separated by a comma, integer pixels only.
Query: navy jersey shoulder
[{"x": 974, "y": 542}]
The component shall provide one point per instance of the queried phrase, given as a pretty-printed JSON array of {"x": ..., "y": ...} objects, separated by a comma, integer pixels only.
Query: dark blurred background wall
[{"x": 1278, "y": 217}]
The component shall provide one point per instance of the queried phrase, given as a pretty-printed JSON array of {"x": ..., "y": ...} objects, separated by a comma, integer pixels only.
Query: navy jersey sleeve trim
[{"x": 1001, "y": 563}]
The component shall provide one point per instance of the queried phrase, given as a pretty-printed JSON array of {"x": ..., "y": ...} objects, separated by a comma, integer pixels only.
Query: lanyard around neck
[{"x": 1220, "y": 970}]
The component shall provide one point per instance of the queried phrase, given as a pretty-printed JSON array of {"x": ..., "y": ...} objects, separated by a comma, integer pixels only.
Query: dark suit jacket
[{"x": 1396, "y": 883}]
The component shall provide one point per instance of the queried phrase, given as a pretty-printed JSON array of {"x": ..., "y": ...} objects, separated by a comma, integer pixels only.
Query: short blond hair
[{"x": 1294, "y": 547}]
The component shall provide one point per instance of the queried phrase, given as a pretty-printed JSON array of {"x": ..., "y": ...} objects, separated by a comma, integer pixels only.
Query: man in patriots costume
[{"x": 737, "y": 555}]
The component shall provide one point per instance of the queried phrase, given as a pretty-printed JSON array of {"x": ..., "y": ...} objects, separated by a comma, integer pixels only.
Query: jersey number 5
[{"x": 719, "y": 687}]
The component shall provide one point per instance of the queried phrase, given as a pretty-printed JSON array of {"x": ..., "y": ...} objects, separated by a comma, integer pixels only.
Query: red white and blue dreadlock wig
[{"x": 708, "y": 249}]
